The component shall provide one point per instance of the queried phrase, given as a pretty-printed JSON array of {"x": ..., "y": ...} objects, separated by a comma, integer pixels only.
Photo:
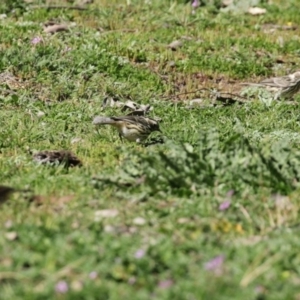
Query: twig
[
  {"x": 206, "y": 89},
  {"x": 186, "y": 93}
]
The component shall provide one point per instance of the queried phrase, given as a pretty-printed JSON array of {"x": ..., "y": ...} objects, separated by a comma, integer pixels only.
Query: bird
[
  {"x": 133, "y": 128},
  {"x": 5, "y": 192},
  {"x": 284, "y": 87}
]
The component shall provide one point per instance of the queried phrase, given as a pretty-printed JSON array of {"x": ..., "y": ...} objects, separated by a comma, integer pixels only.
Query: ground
[{"x": 213, "y": 213}]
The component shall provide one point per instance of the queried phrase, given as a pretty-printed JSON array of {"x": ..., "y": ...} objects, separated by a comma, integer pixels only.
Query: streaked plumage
[
  {"x": 133, "y": 128},
  {"x": 284, "y": 87}
]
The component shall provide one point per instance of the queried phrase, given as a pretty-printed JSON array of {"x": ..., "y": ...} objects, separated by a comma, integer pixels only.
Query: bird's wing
[{"x": 136, "y": 119}]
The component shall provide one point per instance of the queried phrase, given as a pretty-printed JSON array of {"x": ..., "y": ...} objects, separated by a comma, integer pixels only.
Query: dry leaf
[
  {"x": 39, "y": 200},
  {"x": 111, "y": 102},
  {"x": 280, "y": 41},
  {"x": 5, "y": 192},
  {"x": 137, "y": 109},
  {"x": 138, "y": 112},
  {"x": 255, "y": 11},
  {"x": 57, "y": 157},
  {"x": 76, "y": 140},
  {"x": 56, "y": 28},
  {"x": 131, "y": 105}
]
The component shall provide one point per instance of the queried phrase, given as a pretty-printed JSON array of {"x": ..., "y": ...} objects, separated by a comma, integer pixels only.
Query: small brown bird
[
  {"x": 284, "y": 87},
  {"x": 5, "y": 192},
  {"x": 133, "y": 128}
]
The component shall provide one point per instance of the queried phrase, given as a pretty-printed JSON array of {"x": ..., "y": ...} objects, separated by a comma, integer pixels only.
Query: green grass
[{"x": 140, "y": 222}]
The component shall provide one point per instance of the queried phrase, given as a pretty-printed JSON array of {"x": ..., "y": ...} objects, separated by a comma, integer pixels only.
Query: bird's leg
[
  {"x": 277, "y": 96},
  {"x": 121, "y": 138}
]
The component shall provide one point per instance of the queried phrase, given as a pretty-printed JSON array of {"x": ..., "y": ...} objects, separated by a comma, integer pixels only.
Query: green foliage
[
  {"x": 17, "y": 6},
  {"x": 235, "y": 163}
]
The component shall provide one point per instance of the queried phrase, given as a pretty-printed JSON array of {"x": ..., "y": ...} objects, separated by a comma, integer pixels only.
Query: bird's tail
[{"x": 103, "y": 121}]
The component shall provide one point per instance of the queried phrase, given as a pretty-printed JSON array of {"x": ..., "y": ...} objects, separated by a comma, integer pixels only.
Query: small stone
[
  {"x": 175, "y": 45},
  {"x": 172, "y": 64},
  {"x": 255, "y": 11},
  {"x": 109, "y": 229},
  {"x": 11, "y": 236},
  {"x": 40, "y": 114},
  {"x": 105, "y": 213},
  {"x": 183, "y": 220},
  {"x": 139, "y": 221}
]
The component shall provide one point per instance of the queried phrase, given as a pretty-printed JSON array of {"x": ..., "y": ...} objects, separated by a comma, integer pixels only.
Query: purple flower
[
  {"x": 36, "y": 40},
  {"x": 139, "y": 254},
  {"x": 215, "y": 263},
  {"x": 93, "y": 275},
  {"x": 61, "y": 287},
  {"x": 195, "y": 3},
  {"x": 224, "y": 205},
  {"x": 165, "y": 284}
]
